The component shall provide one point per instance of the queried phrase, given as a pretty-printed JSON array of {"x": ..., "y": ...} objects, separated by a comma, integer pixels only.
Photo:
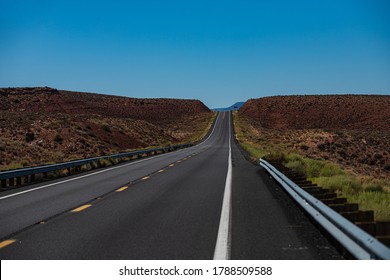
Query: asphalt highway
[{"x": 202, "y": 202}]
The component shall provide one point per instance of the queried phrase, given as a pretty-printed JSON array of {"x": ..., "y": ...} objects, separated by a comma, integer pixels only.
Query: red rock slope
[
  {"x": 352, "y": 130},
  {"x": 320, "y": 111},
  {"x": 42, "y": 125}
]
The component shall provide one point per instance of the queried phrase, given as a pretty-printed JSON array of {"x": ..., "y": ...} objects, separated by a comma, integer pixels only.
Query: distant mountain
[{"x": 234, "y": 107}]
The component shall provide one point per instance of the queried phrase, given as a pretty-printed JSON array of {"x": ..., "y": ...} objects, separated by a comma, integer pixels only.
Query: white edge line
[
  {"x": 98, "y": 172},
  {"x": 77, "y": 178},
  {"x": 212, "y": 131},
  {"x": 222, "y": 247}
]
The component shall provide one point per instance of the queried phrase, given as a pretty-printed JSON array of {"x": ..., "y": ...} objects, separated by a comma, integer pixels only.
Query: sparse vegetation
[
  {"x": 201, "y": 128},
  {"x": 29, "y": 136},
  {"x": 11, "y": 166},
  {"x": 64, "y": 126},
  {"x": 369, "y": 192},
  {"x": 58, "y": 138},
  {"x": 106, "y": 128}
]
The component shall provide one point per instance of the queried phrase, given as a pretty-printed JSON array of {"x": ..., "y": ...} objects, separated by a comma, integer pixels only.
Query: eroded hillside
[
  {"x": 351, "y": 130},
  {"x": 45, "y": 125}
]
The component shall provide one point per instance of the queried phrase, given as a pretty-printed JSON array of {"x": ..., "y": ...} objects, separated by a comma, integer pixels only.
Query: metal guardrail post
[{"x": 359, "y": 243}]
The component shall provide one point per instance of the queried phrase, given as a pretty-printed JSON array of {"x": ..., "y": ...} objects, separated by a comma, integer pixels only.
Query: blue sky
[{"x": 217, "y": 51}]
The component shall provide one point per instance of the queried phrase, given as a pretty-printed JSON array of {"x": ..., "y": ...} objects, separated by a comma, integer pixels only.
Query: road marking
[
  {"x": 171, "y": 165},
  {"x": 84, "y": 176},
  {"x": 145, "y": 178},
  {"x": 161, "y": 170},
  {"x": 6, "y": 243},
  {"x": 222, "y": 247},
  {"x": 81, "y": 208},
  {"x": 178, "y": 161},
  {"x": 108, "y": 169},
  {"x": 215, "y": 124},
  {"x": 122, "y": 189}
]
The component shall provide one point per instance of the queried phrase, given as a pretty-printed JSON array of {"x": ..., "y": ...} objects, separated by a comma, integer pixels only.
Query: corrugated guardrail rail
[
  {"x": 8, "y": 178},
  {"x": 356, "y": 241}
]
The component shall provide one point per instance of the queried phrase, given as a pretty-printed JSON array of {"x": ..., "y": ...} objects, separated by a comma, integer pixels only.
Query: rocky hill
[
  {"x": 352, "y": 130},
  {"x": 44, "y": 125},
  {"x": 51, "y": 101},
  {"x": 320, "y": 111}
]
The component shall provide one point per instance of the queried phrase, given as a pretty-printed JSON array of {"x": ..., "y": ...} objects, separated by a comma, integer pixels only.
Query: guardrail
[
  {"x": 29, "y": 173},
  {"x": 359, "y": 243}
]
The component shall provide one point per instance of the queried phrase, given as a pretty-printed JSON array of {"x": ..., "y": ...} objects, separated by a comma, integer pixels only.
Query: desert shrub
[
  {"x": 377, "y": 201},
  {"x": 304, "y": 147},
  {"x": 93, "y": 165},
  {"x": 103, "y": 162},
  {"x": 276, "y": 156},
  {"x": 106, "y": 128},
  {"x": 167, "y": 144},
  {"x": 321, "y": 147},
  {"x": 330, "y": 169},
  {"x": 293, "y": 157},
  {"x": 313, "y": 167},
  {"x": 340, "y": 183},
  {"x": 115, "y": 143},
  {"x": 58, "y": 139},
  {"x": 296, "y": 165},
  {"x": 11, "y": 166},
  {"x": 29, "y": 136},
  {"x": 91, "y": 134},
  {"x": 373, "y": 185}
]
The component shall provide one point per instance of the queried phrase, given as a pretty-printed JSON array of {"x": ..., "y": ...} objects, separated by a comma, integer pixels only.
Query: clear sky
[{"x": 217, "y": 51}]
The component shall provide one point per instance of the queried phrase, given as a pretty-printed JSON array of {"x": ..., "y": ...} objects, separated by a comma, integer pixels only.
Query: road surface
[{"x": 203, "y": 202}]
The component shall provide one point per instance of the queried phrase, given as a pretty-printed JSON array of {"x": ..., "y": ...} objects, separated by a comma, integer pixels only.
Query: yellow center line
[
  {"x": 171, "y": 165},
  {"x": 162, "y": 170},
  {"x": 146, "y": 177},
  {"x": 6, "y": 243},
  {"x": 81, "y": 208},
  {"x": 122, "y": 189}
]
